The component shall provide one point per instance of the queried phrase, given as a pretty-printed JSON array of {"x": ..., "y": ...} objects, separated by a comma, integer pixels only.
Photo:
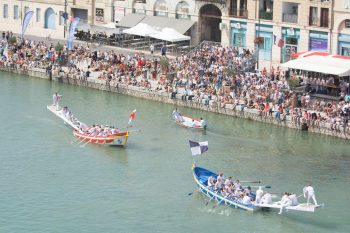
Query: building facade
[
  {"x": 48, "y": 15},
  {"x": 274, "y": 28}
]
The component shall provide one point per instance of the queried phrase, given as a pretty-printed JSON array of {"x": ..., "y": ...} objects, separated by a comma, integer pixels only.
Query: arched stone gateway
[
  {"x": 209, "y": 21},
  {"x": 50, "y": 22}
]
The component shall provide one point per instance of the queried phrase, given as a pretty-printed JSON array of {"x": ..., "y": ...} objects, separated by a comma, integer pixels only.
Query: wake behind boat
[{"x": 188, "y": 122}]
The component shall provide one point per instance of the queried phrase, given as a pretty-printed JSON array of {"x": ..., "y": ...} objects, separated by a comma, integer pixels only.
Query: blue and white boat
[{"x": 201, "y": 176}]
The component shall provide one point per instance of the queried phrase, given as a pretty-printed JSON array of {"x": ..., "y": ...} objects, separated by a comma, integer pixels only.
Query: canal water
[{"x": 50, "y": 184}]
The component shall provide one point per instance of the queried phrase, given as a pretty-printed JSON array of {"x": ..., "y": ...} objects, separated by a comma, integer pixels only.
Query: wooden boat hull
[
  {"x": 117, "y": 139},
  {"x": 188, "y": 123},
  {"x": 201, "y": 176}
]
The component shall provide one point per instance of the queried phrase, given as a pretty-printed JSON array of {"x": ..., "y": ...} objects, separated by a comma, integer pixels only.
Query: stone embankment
[{"x": 237, "y": 111}]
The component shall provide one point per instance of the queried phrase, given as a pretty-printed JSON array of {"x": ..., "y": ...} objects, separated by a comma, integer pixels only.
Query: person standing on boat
[
  {"x": 258, "y": 195},
  {"x": 56, "y": 99},
  {"x": 203, "y": 124},
  {"x": 309, "y": 193},
  {"x": 220, "y": 179}
]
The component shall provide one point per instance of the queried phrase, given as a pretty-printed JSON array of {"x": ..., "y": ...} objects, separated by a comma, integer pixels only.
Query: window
[
  {"x": 6, "y": 11},
  {"x": 38, "y": 12},
  {"x": 15, "y": 12},
  {"x": 324, "y": 17},
  {"x": 346, "y": 4}
]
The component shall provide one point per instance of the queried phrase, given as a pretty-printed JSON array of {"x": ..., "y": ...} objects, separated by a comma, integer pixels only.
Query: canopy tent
[
  {"x": 159, "y": 22},
  {"x": 334, "y": 65},
  {"x": 130, "y": 20},
  {"x": 170, "y": 34},
  {"x": 141, "y": 29}
]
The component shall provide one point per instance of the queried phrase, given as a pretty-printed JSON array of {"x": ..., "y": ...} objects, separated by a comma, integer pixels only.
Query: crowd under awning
[{"x": 326, "y": 64}]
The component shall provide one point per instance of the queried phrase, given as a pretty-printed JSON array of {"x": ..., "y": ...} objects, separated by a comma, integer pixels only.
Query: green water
[{"x": 49, "y": 184}]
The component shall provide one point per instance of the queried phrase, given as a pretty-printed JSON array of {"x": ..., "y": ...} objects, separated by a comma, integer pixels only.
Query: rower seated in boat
[
  {"x": 294, "y": 199},
  {"x": 247, "y": 200},
  {"x": 237, "y": 185},
  {"x": 228, "y": 181},
  {"x": 266, "y": 199},
  {"x": 83, "y": 127},
  {"x": 285, "y": 202},
  {"x": 247, "y": 190},
  {"x": 211, "y": 181}
]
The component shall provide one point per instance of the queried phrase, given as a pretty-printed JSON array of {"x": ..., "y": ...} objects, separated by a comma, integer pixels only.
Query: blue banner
[
  {"x": 26, "y": 21},
  {"x": 71, "y": 32}
]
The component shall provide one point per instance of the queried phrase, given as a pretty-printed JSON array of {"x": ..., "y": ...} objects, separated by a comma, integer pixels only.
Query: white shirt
[
  {"x": 266, "y": 199},
  {"x": 247, "y": 200},
  {"x": 309, "y": 191},
  {"x": 285, "y": 200},
  {"x": 293, "y": 199}
]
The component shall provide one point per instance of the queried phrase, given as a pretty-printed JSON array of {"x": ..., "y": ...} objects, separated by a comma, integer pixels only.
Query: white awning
[
  {"x": 141, "y": 29},
  {"x": 130, "y": 20},
  {"x": 159, "y": 22},
  {"x": 170, "y": 34},
  {"x": 335, "y": 65}
]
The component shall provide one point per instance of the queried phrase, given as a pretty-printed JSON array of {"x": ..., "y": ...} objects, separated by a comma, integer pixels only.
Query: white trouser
[
  {"x": 313, "y": 198},
  {"x": 283, "y": 206}
]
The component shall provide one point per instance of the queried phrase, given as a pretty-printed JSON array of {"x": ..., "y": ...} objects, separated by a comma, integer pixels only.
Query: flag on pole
[
  {"x": 71, "y": 32},
  {"x": 198, "y": 148},
  {"x": 132, "y": 116},
  {"x": 26, "y": 21}
]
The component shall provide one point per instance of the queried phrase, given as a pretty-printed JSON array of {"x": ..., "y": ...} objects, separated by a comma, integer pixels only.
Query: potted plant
[{"x": 259, "y": 40}]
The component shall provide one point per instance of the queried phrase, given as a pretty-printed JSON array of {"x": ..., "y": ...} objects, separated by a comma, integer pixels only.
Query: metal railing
[{"x": 290, "y": 18}]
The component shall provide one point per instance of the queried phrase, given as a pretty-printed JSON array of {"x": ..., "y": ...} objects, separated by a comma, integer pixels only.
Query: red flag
[
  {"x": 280, "y": 43},
  {"x": 132, "y": 116}
]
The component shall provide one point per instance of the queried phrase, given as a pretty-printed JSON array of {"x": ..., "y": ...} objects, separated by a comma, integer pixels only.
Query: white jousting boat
[{"x": 71, "y": 121}]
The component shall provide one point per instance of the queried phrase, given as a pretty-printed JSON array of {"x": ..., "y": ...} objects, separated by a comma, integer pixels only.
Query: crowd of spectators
[{"x": 212, "y": 75}]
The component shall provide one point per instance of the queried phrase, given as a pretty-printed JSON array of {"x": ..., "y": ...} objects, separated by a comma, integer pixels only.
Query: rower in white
[
  {"x": 266, "y": 199},
  {"x": 203, "y": 124},
  {"x": 259, "y": 193},
  {"x": 211, "y": 181},
  {"x": 285, "y": 201},
  {"x": 309, "y": 193},
  {"x": 294, "y": 199}
]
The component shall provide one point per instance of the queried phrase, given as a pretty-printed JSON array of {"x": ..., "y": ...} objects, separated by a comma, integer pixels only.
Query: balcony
[
  {"x": 290, "y": 18},
  {"x": 266, "y": 15}
]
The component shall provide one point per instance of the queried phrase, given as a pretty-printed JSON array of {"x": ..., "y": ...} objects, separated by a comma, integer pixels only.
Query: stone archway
[
  {"x": 50, "y": 17},
  {"x": 209, "y": 21}
]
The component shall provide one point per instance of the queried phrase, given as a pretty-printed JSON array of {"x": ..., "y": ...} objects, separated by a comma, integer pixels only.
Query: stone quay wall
[{"x": 164, "y": 97}]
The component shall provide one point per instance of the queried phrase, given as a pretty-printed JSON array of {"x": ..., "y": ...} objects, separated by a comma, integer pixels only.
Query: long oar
[
  {"x": 86, "y": 143},
  {"x": 219, "y": 202},
  {"x": 267, "y": 186},
  {"x": 210, "y": 200},
  {"x": 254, "y": 182},
  {"x": 84, "y": 139}
]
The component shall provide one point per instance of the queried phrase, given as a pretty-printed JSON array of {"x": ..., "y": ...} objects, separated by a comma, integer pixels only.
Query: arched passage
[
  {"x": 210, "y": 18},
  {"x": 50, "y": 19}
]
